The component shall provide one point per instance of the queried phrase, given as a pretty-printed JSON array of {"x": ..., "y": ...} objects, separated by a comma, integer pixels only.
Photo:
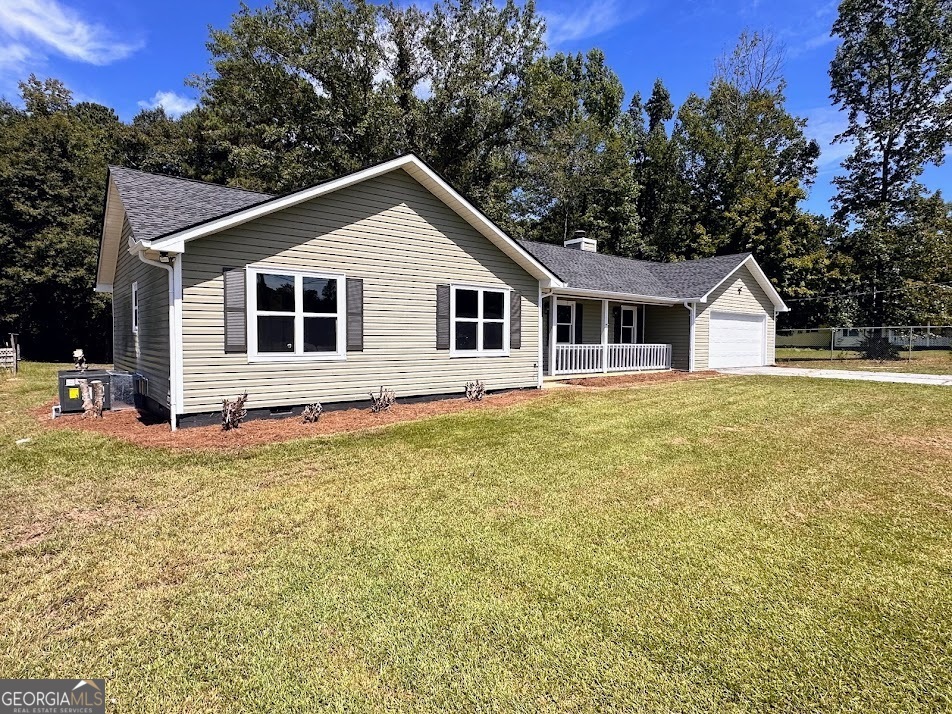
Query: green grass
[
  {"x": 736, "y": 544},
  {"x": 920, "y": 361}
]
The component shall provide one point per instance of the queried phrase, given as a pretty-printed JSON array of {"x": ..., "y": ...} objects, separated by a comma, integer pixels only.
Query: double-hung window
[
  {"x": 479, "y": 319},
  {"x": 295, "y": 315}
]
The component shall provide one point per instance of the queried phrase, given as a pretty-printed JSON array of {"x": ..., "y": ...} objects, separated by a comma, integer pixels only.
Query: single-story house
[{"x": 390, "y": 277}]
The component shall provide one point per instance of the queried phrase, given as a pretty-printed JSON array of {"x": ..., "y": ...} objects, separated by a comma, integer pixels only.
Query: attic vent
[{"x": 579, "y": 241}]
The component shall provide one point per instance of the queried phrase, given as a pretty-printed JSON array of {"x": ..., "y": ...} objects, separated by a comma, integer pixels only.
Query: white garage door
[{"x": 737, "y": 340}]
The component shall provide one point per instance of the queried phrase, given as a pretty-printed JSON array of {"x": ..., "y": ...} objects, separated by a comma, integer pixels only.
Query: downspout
[
  {"x": 692, "y": 307},
  {"x": 173, "y": 337}
]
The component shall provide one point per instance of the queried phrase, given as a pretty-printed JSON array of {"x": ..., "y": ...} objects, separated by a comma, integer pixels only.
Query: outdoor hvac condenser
[{"x": 70, "y": 393}]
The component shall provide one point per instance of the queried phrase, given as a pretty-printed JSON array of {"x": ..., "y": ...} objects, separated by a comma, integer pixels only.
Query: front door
[{"x": 629, "y": 324}]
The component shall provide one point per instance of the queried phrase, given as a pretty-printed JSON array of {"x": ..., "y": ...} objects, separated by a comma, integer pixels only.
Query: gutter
[
  {"x": 693, "y": 308},
  {"x": 173, "y": 337}
]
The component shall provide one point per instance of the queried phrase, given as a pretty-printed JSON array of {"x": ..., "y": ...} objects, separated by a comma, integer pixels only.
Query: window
[
  {"x": 564, "y": 322},
  {"x": 135, "y": 308},
  {"x": 294, "y": 315},
  {"x": 629, "y": 324},
  {"x": 480, "y": 321}
]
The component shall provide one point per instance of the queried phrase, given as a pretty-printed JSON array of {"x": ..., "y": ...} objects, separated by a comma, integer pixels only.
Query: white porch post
[
  {"x": 604, "y": 335},
  {"x": 552, "y": 332}
]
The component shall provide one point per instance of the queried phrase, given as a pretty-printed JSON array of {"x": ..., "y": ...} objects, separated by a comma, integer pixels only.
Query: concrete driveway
[{"x": 938, "y": 380}]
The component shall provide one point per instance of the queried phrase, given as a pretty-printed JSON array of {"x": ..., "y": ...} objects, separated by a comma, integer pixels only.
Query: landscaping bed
[{"x": 142, "y": 430}]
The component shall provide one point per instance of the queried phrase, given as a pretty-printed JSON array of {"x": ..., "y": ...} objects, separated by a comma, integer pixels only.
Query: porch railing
[{"x": 579, "y": 359}]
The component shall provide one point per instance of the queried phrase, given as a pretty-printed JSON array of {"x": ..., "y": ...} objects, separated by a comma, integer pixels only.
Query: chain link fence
[{"x": 927, "y": 345}]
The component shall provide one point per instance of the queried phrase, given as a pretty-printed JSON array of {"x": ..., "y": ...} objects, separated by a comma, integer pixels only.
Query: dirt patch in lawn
[
  {"x": 141, "y": 430},
  {"x": 630, "y": 380}
]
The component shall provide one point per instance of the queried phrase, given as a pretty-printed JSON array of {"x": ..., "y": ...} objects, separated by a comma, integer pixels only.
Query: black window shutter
[
  {"x": 355, "y": 315},
  {"x": 616, "y": 328},
  {"x": 442, "y": 317},
  {"x": 578, "y": 323},
  {"x": 236, "y": 340},
  {"x": 515, "y": 320}
]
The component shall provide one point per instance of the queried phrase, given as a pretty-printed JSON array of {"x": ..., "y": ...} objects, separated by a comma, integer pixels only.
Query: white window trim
[
  {"x": 135, "y": 307},
  {"x": 506, "y": 326},
  {"x": 568, "y": 303},
  {"x": 252, "y": 313}
]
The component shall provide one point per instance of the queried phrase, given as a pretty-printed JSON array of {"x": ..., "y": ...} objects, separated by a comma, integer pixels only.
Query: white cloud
[
  {"x": 175, "y": 105},
  {"x": 51, "y": 26},
  {"x": 823, "y": 124},
  {"x": 585, "y": 20}
]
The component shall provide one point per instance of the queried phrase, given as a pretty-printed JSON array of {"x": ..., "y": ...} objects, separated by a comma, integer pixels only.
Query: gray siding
[
  {"x": 403, "y": 242},
  {"x": 670, "y": 326},
  {"x": 147, "y": 352},
  {"x": 591, "y": 311},
  {"x": 742, "y": 294}
]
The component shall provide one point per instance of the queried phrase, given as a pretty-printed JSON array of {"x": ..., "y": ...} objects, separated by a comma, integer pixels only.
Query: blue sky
[{"x": 131, "y": 55}]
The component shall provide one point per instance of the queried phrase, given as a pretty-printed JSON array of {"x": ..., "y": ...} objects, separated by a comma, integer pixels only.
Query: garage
[{"x": 737, "y": 340}]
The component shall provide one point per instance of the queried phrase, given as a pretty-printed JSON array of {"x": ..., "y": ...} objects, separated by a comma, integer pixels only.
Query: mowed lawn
[
  {"x": 733, "y": 544},
  {"x": 919, "y": 361}
]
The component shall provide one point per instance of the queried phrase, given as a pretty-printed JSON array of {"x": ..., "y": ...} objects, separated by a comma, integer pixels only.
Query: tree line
[{"x": 545, "y": 143}]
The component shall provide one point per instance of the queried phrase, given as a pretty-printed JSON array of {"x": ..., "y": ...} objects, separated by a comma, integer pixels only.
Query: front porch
[{"x": 584, "y": 336}]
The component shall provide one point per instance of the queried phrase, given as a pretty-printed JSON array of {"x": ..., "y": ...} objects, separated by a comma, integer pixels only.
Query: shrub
[
  {"x": 878, "y": 348},
  {"x": 233, "y": 411},
  {"x": 312, "y": 412},
  {"x": 383, "y": 401},
  {"x": 475, "y": 391}
]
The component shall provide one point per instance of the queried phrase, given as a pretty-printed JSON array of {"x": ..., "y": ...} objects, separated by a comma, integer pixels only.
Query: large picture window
[
  {"x": 295, "y": 315},
  {"x": 480, "y": 321}
]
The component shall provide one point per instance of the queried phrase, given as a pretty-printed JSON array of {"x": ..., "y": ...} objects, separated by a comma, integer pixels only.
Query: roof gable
[
  {"x": 684, "y": 281},
  {"x": 186, "y": 210},
  {"x": 157, "y": 205}
]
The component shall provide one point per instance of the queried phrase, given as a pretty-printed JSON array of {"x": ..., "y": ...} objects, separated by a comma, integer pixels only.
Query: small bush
[
  {"x": 475, "y": 391},
  {"x": 878, "y": 348},
  {"x": 233, "y": 411},
  {"x": 312, "y": 412},
  {"x": 383, "y": 401}
]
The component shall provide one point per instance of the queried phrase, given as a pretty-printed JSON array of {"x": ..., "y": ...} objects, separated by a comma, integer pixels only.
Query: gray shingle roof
[
  {"x": 157, "y": 205},
  {"x": 584, "y": 270}
]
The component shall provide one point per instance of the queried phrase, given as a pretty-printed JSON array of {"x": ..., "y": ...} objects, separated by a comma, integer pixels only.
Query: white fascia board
[
  {"x": 618, "y": 297},
  {"x": 760, "y": 276},
  {"x": 175, "y": 243},
  {"x": 106, "y": 260}
]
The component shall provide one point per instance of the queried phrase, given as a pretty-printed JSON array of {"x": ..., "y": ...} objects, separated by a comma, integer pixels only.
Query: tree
[
  {"x": 747, "y": 163},
  {"x": 891, "y": 73},
  {"x": 659, "y": 171},
  {"x": 577, "y": 171},
  {"x": 308, "y": 89},
  {"x": 53, "y": 159}
]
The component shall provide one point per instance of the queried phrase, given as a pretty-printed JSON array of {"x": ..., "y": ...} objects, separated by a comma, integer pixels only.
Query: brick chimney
[{"x": 578, "y": 241}]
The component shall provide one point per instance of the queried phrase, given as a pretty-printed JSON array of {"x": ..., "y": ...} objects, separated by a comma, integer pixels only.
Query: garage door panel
[{"x": 737, "y": 340}]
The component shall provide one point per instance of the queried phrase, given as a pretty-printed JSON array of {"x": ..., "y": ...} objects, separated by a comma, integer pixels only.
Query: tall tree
[
  {"x": 659, "y": 171},
  {"x": 53, "y": 157},
  {"x": 891, "y": 73},
  {"x": 748, "y": 163},
  {"x": 578, "y": 163},
  {"x": 306, "y": 89}
]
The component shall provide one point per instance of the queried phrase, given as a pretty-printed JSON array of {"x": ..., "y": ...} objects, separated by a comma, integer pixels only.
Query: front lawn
[
  {"x": 918, "y": 362},
  {"x": 733, "y": 544}
]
